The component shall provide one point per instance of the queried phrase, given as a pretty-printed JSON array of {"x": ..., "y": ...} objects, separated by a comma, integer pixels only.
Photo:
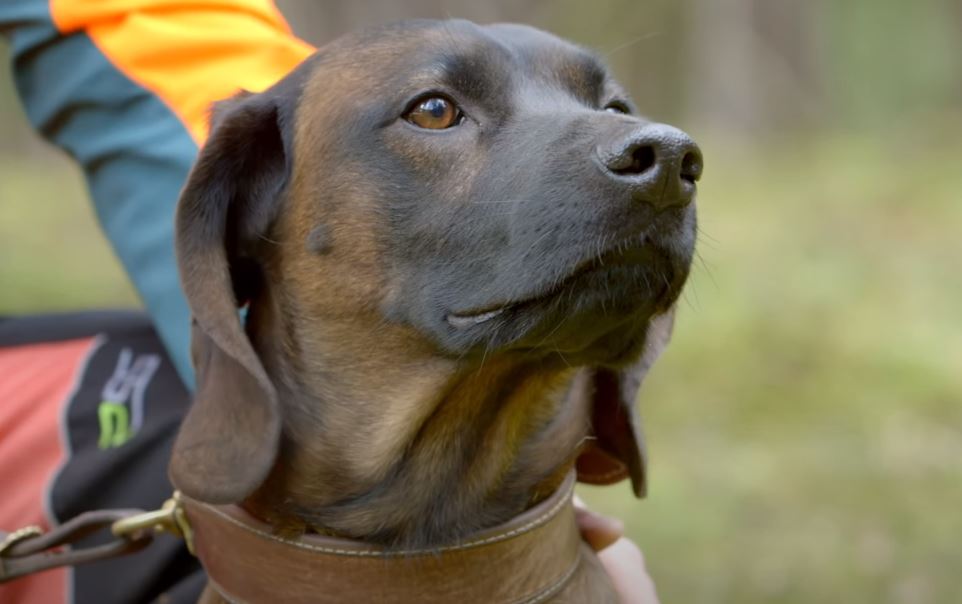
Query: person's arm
[{"x": 124, "y": 86}]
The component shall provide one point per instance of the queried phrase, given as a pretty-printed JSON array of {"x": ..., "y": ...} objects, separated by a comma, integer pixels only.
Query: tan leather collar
[{"x": 526, "y": 560}]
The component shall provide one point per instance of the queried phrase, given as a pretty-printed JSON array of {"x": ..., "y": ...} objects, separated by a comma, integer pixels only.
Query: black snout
[{"x": 659, "y": 164}]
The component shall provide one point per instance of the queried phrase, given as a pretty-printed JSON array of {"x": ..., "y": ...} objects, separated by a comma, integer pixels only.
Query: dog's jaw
[{"x": 486, "y": 443}]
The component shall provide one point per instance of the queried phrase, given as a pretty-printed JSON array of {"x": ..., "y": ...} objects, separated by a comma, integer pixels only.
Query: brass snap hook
[
  {"x": 170, "y": 518},
  {"x": 27, "y": 532}
]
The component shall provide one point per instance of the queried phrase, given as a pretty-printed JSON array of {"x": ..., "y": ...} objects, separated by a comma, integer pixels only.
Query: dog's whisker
[
  {"x": 689, "y": 293},
  {"x": 484, "y": 355},
  {"x": 533, "y": 244},
  {"x": 584, "y": 439},
  {"x": 602, "y": 243},
  {"x": 647, "y": 282},
  {"x": 461, "y": 356},
  {"x": 632, "y": 42},
  {"x": 702, "y": 241},
  {"x": 707, "y": 268},
  {"x": 552, "y": 332},
  {"x": 703, "y": 237}
]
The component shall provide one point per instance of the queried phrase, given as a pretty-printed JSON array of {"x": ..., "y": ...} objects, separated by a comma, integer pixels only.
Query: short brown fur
[{"x": 385, "y": 436}]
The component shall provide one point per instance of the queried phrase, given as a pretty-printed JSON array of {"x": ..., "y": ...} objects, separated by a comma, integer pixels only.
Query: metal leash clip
[
  {"x": 18, "y": 535},
  {"x": 30, "y": 550},
  {"x": 170, "y": 518}
]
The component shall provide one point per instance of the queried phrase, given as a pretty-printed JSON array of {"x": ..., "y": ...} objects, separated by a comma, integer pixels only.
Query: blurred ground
[{"x": 805, "y": 426}]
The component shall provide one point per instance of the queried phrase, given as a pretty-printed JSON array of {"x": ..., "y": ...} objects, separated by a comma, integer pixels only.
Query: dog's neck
[{"x": 386, "y": 441}]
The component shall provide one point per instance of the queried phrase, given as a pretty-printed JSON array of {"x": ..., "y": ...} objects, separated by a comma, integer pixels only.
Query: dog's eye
[
  {"x": 617, "y": 107},
  {"x": 435, "y": 113}
]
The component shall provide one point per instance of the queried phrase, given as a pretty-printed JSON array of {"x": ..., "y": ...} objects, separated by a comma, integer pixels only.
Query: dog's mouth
[
  {"x": 637, "y": 254},
  {"x": 469, "y": 319}
]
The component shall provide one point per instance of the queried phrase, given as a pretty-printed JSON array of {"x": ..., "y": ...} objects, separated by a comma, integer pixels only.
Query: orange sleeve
[{"x": 188, "y": 53}]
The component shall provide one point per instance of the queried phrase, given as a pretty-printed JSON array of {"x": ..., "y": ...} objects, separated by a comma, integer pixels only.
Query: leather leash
[
  {"x": 526, "y": 560},
  {"x": 29, "y": 550}
]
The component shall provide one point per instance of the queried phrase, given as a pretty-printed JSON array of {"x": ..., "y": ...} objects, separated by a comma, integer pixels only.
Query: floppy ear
[
  {"x": 229, "y": 439},
  {"x": 618, "y": 448}
]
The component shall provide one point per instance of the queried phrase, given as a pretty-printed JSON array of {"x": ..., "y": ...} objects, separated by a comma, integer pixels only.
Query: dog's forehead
[
  {"x": 389, "y": 55},
  {"x": 539, "y": 52}
]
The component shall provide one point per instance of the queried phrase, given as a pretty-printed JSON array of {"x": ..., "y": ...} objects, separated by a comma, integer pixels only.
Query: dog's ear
[
  {"x": 229, "y": 439},
  {"x": 617, "y": 449}
]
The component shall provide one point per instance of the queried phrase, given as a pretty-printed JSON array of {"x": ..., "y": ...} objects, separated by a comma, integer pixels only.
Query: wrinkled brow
[
  {"x": 478, "y": 74},
  {"x": 584, "y": 75}
]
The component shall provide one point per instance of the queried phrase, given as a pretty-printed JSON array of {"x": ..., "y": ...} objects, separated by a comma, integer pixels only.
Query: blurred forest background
[{"x": 805, "y": 427}]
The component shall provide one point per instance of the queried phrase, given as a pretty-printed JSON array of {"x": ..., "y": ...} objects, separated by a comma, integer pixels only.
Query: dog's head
[{"x": 474, "y": 191}]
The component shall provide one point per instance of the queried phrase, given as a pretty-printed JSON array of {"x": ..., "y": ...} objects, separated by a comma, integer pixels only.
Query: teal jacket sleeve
[{"x": 134, "y": 152}]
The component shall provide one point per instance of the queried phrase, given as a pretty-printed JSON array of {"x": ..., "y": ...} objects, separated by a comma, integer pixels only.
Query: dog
[{"x": 457, "y": 250}]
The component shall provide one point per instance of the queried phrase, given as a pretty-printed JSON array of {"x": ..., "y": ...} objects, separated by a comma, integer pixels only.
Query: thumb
[{"x": 597, "y": 530}]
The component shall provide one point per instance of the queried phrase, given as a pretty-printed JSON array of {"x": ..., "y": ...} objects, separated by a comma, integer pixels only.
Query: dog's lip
[
  {"x": 462, "y": 320},
  {"x": 470, "y": 318}
]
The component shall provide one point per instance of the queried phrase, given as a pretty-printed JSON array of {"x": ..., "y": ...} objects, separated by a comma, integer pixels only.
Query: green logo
[
  {"x": 121, "y": 413},
  {"x": 114, "y": 425}
]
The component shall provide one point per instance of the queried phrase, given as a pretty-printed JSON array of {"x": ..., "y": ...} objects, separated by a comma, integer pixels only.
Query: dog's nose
[{"x": 659, "y": 163}]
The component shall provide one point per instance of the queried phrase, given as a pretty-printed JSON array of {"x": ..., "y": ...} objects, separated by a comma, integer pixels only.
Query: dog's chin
[{"x": 597, "y": 315}]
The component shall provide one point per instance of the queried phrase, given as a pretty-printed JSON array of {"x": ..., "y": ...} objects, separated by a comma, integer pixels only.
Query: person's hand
[{"x": 620, "y": 556}]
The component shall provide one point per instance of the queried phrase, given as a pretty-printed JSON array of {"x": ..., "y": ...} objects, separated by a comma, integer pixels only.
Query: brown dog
[{"x": 458, "y": 249}]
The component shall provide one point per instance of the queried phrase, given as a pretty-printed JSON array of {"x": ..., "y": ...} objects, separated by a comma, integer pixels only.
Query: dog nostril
[
  {"x": 691, "y": 166},
  {"x": 642, "y": 159}
]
